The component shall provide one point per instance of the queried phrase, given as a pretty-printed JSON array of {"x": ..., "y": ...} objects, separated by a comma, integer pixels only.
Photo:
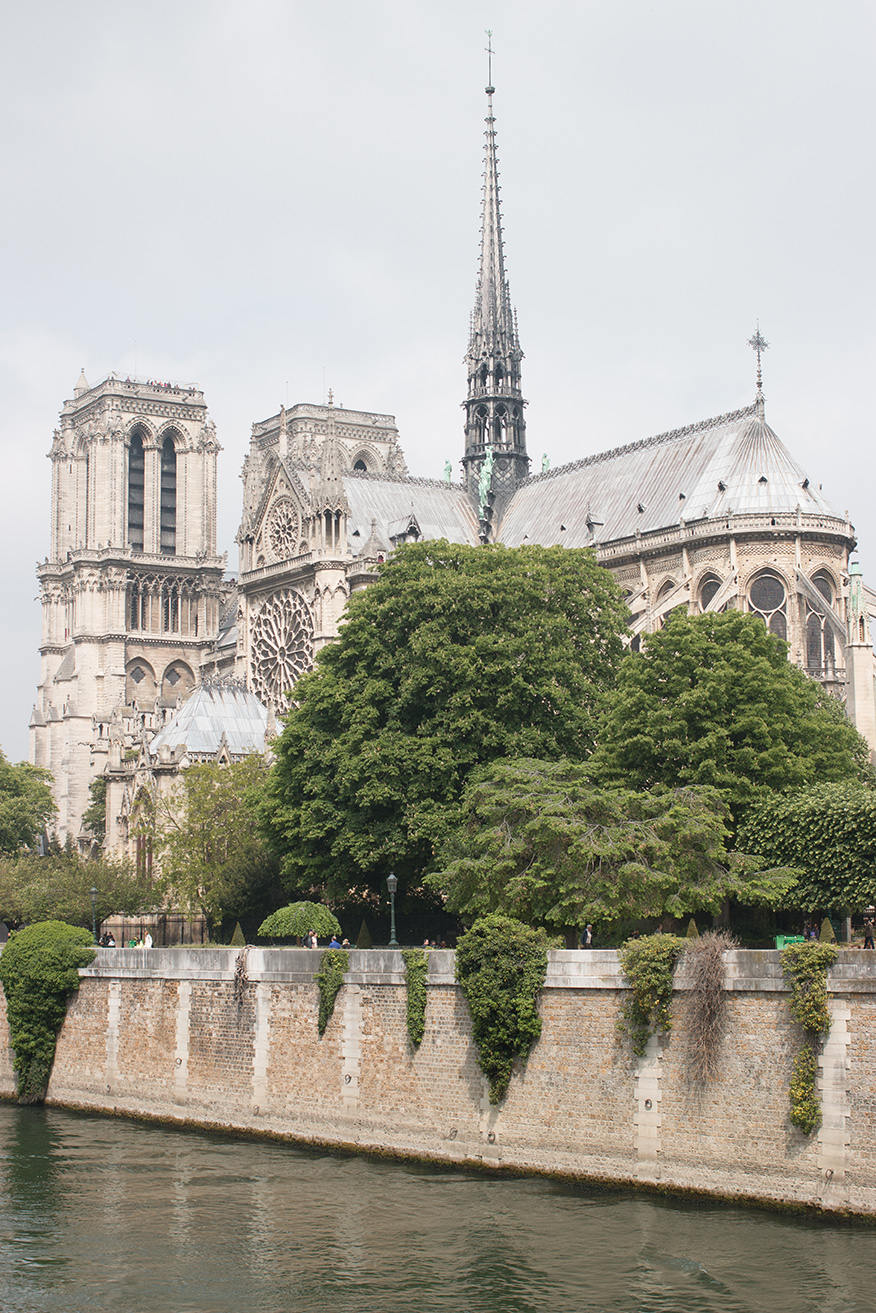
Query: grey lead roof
[
  {"x": 214, "y": 710},
  {"x": 442, "y": 510},
  {"x": 655, "y": 483}
]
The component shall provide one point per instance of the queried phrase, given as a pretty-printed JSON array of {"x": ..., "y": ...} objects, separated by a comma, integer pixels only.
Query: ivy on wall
[
  {"x": 501, "y": 966},
  {"x": 805, "y": 967},
  {"x": 329, "y": 978},
  {"x": 416, "y": 971},
  {"x": 648, "y": 964},
  {"x": 39, "y": 970}
]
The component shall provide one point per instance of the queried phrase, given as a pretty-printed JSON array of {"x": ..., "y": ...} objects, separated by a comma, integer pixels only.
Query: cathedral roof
[
  {"x": 441, "y": 510},
  {"x": 733, "y": 464},
  {"x": 214, "y": 712}
]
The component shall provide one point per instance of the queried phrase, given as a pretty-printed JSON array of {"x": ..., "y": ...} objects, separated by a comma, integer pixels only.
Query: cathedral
[{"x": 153, "y": 657}]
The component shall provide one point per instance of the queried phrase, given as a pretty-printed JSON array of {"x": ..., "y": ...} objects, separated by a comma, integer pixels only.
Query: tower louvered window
[
  {"x": 168, "y": 497},
  {"x": 136, "y": 477}
]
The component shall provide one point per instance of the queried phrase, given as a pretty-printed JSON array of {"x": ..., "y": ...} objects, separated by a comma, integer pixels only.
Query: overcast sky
[{"x": 273, "y": 198}]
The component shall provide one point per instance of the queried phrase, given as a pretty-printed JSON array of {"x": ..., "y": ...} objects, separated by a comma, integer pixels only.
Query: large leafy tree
[
  {"x": 828, "y": 833},
  {"x": 26, "y": 804},
  {"x": 455, "y": 656},
  {"x": 714, "y": 700},
  {"x": 539, "y": 841},
  {"x": 212, "y": 853},
  {"x": 58, "y": 887}
]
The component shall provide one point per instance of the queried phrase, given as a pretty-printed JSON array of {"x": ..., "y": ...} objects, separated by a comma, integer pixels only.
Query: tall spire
[{"x": 494, "y": 405}]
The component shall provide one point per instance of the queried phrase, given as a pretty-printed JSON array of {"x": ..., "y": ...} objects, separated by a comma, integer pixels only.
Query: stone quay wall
[{"x": 222, "y": 1038}]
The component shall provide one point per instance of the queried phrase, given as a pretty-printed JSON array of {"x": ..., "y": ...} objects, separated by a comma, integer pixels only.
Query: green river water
[{"x": 102, "y": 1214}]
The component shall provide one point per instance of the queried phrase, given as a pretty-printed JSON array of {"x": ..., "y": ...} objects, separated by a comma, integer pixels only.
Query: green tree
[
  {"x": 828, "y": 833},
  {"x": 212, "y": 853},
  {"x": 455, "y": 656},
  {"x": 58, "y": 887},
  {"x": 294, "y": 921},
  {"x": 26, "y": 804},
  {"x": 714, "y": 700},
  {"x": 539, "y": 841},
  {"x": 94, "y": 816}
]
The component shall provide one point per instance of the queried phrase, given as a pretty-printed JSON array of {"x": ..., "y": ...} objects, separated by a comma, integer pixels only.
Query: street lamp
[
  {"x": 392, "y": 885},
  {"x": 94, "y": 913}
]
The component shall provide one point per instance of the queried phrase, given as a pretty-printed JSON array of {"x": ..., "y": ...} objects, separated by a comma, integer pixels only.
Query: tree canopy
[
  {"x": 714, "y": 700},
  {"x": 26, "y": 804},
  {"x": 828, "y": 833},
  {"x": 58, "y": 887},
  {"x": 212, "y": 851},
  {"x": 539, "y": 841},
  {"x": 455, "y": 656},
  {"x": 294, "y": 921}
]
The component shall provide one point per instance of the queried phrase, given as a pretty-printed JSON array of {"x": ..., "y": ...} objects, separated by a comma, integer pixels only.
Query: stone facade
[
  {"x": 132, "y": 589},
  {"x": 177, "y": 1035}
]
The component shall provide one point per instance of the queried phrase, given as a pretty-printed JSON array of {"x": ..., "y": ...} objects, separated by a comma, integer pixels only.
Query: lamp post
[
  {"x": 392, "y": 885},
  {"x": 94, "y": 913}
]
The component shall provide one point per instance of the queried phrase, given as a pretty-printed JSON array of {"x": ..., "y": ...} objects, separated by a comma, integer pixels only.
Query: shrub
[
  {"x": 648, "y": 964},
  {"x": 294, "y": 921},
  {"x": 363, "y": 939},
  {"x": 805, "y": 967},
  {"x": 237, "y": 939},
  {"x": 416, "y": 971},
  {"x": 329, "y": 978},
  {"x": 501, "y": 966},
  {"x": 39, "y": 969}
]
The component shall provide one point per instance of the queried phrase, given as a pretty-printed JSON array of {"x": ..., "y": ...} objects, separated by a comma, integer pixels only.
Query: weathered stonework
[{"x": 176, "y": 1035}]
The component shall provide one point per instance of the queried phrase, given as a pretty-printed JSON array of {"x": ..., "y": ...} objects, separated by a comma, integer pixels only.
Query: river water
[{"x": 102, "y": 1214}]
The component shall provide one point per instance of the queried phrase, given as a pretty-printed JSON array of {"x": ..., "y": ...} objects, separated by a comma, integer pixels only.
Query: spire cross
[{"x": 758, "y": 344}]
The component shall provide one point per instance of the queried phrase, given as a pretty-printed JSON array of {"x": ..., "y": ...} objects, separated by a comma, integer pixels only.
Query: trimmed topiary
[
  {"x": 294, "y": 921},
  {"x": 39, "y": 970}
]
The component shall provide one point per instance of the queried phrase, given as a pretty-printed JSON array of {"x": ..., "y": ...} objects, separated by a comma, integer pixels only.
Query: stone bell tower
[
  {"x": 494, "y": 421},
  {"x": 131, "y": 587}
]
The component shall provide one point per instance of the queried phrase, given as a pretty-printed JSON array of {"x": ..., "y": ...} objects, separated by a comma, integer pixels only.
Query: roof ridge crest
[{"x": 595, "y": 457}]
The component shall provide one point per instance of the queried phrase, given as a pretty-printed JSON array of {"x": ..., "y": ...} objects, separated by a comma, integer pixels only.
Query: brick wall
[{"x": 177, "y": 1034}]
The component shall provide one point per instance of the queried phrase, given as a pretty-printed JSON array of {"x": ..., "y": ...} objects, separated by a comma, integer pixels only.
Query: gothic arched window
[
  {"x": 708, "y": 589},
  {"x": 360, "y": 466},
  {"x": 768, "y": 599},
  {"x": 168, "y": 496},
  {"x": 820, "y": 650},
  {"x": 136, "y": 477}
]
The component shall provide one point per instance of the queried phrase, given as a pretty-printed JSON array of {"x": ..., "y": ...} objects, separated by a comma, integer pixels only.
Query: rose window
[
  {"x": 283, "y": 530},
  {"x": 282, "y": 646}
]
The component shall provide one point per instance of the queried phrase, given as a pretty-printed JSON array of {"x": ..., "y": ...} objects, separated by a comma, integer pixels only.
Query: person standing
[
  {"x": 868, "y": 932},
  {"x": 587, "y": 936}
]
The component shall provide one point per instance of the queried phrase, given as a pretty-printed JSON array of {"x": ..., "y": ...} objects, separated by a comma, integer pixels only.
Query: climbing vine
[
  {"x": 501, "y": 965},
  {"x": 416, "y": 971},
  {"x": 805, "y": 967},
  {"x": 329, "y": 978},
  {"x": 39, "y": 970},
  {"x": 703, "y": 966},
  {"x": 648, "y": 964}
]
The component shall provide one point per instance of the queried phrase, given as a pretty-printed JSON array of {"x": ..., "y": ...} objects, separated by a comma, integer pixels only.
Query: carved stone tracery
[{"x": 281, "y": 646}]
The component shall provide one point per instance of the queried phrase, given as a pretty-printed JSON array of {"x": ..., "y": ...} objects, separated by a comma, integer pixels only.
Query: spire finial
[
  {"x": 489, "y": 88},
  {"x": 758, "y": 344}
]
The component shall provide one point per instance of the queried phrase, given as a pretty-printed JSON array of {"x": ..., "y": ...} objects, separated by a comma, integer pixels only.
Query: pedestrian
[
  {"x": 868, "y": 932},
  {"x": 587, "y": 936},
  {"x": 110, "y": 939},
  {"x": 312, "y": 941},
  {"x": 334, "y": 942},
  {"x": 147, "y": 942},
  {"x": 426, "y": 944}
]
